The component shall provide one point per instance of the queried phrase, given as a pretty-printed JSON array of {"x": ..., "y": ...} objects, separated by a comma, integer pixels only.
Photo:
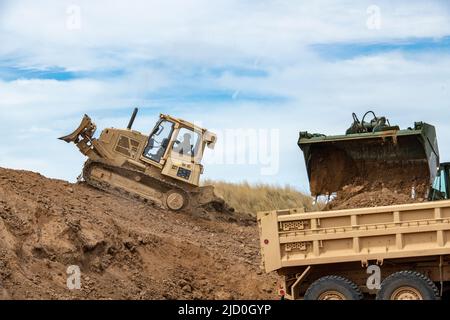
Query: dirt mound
[
  {"x": 364, "y": 196},
  {"x": 125, "y": 249},
  {"x": 376, "y": 164},
  {"x": 378, "y": 183}
]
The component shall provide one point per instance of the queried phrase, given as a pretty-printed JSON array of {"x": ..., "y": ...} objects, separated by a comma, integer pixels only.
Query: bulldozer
[
  {"x": 163, "y": 168},
  {"x": 374, "y": 151}
]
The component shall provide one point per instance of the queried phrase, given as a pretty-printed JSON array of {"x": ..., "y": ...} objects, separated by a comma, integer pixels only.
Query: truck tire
[
  {"x": 333, "y": 288},
  {"x": 408, "y": 285}
]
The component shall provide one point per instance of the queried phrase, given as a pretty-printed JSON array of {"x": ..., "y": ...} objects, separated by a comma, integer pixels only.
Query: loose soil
[{"x": 126, "y": 249}]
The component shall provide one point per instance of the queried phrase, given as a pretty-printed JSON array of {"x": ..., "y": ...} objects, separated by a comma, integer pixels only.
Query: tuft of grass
[{"x": 252, "y": 198}]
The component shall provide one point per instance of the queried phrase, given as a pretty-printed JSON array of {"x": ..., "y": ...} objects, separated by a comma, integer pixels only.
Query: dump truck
[
  {"x": 398, "y": 252},
  {"x": 162, "y": 168}
]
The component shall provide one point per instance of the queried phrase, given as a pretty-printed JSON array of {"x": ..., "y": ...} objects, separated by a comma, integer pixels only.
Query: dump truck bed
[{"x": 292, "y": 238}]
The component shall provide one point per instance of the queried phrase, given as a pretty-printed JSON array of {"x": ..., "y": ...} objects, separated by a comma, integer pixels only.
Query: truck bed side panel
[{"x": 302, "y": 239}]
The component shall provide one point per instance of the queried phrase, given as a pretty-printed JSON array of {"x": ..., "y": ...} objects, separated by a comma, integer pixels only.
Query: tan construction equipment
[
  {"x": 399, "y": 252},
  {"x": 163, "y": 167}
]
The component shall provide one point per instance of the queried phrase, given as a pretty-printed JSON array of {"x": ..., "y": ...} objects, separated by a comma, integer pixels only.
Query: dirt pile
[
  {"x": 375, "y": 163},
  {"x": 354, "y": 197},
  {"x": 380, "y": 183},
  {"x": 125, "y": 249},
  {"x": 360, "y": 195}
]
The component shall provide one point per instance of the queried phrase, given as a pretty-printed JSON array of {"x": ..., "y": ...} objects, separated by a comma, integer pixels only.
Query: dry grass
[{"x": 251, "y": 198}]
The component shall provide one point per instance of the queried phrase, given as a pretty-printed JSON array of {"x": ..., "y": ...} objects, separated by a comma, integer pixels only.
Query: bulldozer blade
[
  {"x": 402, "y": 157},
  {"x": 207, "y": 197},
  {"x": 86, "y": 129}
]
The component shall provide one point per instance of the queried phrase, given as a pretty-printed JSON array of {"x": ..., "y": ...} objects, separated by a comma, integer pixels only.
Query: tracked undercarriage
[{"x": 158, "y": 191}]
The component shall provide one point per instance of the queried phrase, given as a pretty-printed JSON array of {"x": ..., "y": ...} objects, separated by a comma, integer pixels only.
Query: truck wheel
[
  {"x": 333, "y": 288},
  {"x": 408, "y": 285}
]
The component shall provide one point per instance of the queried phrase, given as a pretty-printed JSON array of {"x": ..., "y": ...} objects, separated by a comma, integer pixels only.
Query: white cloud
[{"x": 204, "y": 31}]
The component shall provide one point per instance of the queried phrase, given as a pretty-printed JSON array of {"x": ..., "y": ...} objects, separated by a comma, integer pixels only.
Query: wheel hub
[
  {"x": 406, "y": 293},
  {"x": 331, "y": 295}
]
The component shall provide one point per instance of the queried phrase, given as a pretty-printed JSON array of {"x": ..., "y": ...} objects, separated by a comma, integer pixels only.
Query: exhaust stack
[{"x": 133, "y": 116}]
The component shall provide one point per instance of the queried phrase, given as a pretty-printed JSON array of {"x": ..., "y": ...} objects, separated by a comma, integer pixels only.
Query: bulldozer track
[
  {"x": 128, "y": 173},
  {"x": 160, "y": 185}
]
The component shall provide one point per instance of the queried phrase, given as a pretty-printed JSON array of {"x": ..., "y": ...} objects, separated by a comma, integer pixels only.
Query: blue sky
[
  {"x": 275, "y": 65},
  {"x": 407, "y": 47}
]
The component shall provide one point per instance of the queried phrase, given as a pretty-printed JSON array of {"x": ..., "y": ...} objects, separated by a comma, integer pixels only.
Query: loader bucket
[
  {"x": 86, "y": 129},
  {"x": 399, "y": 158}
]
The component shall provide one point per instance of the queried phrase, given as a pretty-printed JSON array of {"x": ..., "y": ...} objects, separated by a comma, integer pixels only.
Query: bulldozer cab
[
  {"x": 372, "y": 153},
  {"x": 176, "y": 147},
  {"x": 178, "y": 139}
]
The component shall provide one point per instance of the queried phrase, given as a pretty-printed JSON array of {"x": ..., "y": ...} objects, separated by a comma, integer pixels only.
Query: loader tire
[
  {"x": 408, "y": 285},
  {"x": 333, "y": 288}
]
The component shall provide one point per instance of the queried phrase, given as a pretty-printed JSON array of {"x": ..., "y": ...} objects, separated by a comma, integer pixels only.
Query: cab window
[
  {"x": 159, "y": 140},
  {"x": 187, "y": 143},
  {"x": 439, "y": 187}
]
